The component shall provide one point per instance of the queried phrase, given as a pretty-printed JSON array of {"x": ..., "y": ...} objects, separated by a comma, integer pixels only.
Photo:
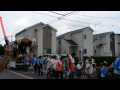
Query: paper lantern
[
  {"x": 19, "y": 40},
  {"x": 34, "y": 41}
]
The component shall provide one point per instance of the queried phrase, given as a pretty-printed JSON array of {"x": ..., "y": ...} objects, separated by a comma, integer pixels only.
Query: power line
[
  {"x": 69, "y": 13},
  {"x": 97, "y": 17},
  {"x": 59, "y": 18},
  {"x": 63, "y": 16},
  {"x": 44, "y": 14},
  {"x": 89, "y": 23},
  {"x": 56, "y": 13}
]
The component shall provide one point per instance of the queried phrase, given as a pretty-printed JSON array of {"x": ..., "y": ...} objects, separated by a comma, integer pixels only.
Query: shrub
[{"x": 76, "y": 60}]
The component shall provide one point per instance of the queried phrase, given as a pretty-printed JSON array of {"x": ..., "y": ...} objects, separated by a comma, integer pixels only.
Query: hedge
[
  {"x": 76, "y": 60},
  {"x": 100, "y": 59}
]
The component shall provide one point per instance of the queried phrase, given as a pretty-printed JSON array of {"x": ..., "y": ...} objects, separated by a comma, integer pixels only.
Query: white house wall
[
  {"x": 40, "y": 42},
  {"x": 68, "y": 37},
  {"x": 88, "y": 42},
  {"x": 20, "y": 35},
  {"x": 30, "y": 34},
  {"x": 116, "y": 46},
  {"x": 53, "y": 42},
  {"x": 78, "y": 38},
  {"x": 64, "y": 47},
  {"x": 95, "y": 43},
  {"x": 107, "y": 51},
  {"x": 57, "y": 46},
  {"x": 98, "y": 50}
]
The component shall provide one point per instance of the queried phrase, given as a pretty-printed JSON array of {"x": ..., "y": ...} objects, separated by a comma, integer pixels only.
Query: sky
[{"x": 63, "y": 21}]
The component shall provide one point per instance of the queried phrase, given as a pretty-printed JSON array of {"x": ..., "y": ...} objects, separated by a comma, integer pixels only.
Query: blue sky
[{"x": 100, "y": 21}]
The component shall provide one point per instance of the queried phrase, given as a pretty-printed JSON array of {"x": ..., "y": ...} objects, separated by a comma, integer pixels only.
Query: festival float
[{"x": 21, "y": 53}]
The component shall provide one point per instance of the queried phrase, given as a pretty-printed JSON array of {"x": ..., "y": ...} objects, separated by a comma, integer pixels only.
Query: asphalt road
[
  {"x": 10, "y": 75},
  {"x": 20, "y": 74}
]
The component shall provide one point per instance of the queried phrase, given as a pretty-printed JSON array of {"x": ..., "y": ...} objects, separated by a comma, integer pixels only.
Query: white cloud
[
  {"x": 15, "y": 21},
  {"x": 22, "y": 22},
  {"x": 63, "y": 29}
]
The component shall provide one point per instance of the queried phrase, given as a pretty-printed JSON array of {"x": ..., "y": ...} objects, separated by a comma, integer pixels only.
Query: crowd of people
[{"x": 65, "y": 68}]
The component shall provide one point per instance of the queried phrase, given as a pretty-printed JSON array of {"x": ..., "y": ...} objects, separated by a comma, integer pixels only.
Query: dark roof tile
[{"x": 71, "y": 42}]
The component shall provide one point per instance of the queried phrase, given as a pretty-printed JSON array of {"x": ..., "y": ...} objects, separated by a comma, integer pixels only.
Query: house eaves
[
  {"x": 101, "y": 35},
  {"x": 40, "y": 25},
  {"x": 71, "y": 42},
  {"x": 101, "y": 44},
  {"x": 74, "y": 31},
  {"x": 30, "y": 27},
  {"x": 52, "y": 27}
]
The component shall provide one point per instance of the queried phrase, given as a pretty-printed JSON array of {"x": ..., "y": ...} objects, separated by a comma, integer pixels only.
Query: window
[
  {"x": 85, "y": 51},
  {"x": 84, "y": 36},
  {"x": 59, "y": 42},
  {"x": 111, "y": 39},
  {"x": 95, "y": 51},
  {"x": 47, "y": 51}
]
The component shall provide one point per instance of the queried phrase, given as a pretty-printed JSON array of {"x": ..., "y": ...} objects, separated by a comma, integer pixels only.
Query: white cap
[{"x": 105, "y": 62}]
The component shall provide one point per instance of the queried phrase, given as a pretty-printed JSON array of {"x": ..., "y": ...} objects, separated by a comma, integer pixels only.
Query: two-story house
[
  {"x": 76, "y": 41},
  {"x": 105, "y": 44},
  {"x": 44, "y": 35}
]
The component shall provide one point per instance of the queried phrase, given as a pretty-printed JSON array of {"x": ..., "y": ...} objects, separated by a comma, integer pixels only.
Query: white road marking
[{"x": 19, "y": 74}]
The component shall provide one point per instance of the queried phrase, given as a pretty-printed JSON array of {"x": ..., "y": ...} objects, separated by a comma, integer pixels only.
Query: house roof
[
  {"x": 96, "y": 36},
  {"x": 40, "y": 24},
  {"x": 71, "y": 42},
  {"x": 100, "y": 45},
  {"x": 75, "y": 31},
  {"x": 118, "y": 35}
]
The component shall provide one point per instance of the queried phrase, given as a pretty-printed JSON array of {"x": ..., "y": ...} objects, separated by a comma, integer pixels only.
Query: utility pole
[{"x": 95, "y": 29}]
